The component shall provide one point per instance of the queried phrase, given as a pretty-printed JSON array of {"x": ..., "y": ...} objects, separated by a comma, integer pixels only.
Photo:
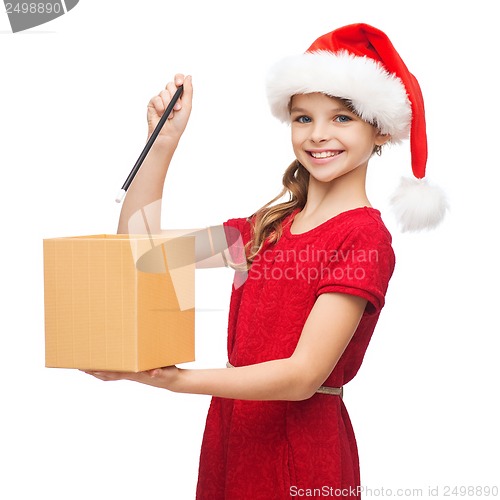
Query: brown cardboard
[{"x": 103, "y": 313}]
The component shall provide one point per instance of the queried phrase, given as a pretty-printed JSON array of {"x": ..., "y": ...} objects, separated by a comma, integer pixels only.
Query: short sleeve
[
  {"x": 361, "y": 265},
  {"x": 237, "y": 236},
  {"x": 237, "y": 227}
]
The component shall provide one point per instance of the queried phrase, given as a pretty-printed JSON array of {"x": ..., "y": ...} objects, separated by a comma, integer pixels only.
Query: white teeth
[{"x": 324, "y": 154}]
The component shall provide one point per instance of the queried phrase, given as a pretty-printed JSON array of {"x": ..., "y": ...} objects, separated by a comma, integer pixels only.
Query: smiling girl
[
  {"x": 333, "y": 144},
  {"x": 318, "y": 266}
]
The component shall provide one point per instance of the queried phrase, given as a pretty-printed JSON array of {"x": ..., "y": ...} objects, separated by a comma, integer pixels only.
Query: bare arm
[
  {"x": 147, "y": 188},
  {"x": 326, "y": 333},
  {"x": 142, "y": 207}
]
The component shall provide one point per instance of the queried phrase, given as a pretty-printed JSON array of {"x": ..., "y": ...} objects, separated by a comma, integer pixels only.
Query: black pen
[{"x": 148, "y": 145}]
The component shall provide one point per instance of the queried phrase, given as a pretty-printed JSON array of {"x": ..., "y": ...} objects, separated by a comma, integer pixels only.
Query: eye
[
  {"x": 342, "y": 119},
  {"x": 303, "y": 119}
]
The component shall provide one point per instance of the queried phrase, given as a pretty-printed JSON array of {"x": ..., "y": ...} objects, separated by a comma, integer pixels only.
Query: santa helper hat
[{"x": 359, "y": 63}]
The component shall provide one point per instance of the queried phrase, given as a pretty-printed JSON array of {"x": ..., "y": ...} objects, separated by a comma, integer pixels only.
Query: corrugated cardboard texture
[{"x": 102, "y": 313}]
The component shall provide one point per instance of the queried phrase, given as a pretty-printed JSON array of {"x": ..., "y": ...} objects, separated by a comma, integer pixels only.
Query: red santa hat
[{"x": 359, "y": 63}]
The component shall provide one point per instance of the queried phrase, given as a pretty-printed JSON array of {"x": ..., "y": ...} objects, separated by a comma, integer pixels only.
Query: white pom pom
[{"x": 418, "y": 205}]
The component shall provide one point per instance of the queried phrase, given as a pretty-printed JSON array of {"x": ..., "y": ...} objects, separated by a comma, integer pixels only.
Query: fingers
[
  {"x": 187, "y": 94},
  {"x": 106, "y": 376},
  {"x": 171, "y": 89},
  {"x": 167, "y": 96},
  {"x": 110, "y": 375},
  {"x": 160, "y": 102},
  {"x": 159, "y": 377},
  {"x": 156, "y": 105},
  {"x": 179, "y": 116}
]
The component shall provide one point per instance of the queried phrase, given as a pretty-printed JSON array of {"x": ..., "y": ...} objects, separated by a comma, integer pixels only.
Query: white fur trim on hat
[
  {"x": 418, "y": 205},
  {"x": 377, "y": 96}
]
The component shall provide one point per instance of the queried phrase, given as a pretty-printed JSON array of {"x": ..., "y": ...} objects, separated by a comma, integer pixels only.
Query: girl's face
[{"x": 328, "y": 139}]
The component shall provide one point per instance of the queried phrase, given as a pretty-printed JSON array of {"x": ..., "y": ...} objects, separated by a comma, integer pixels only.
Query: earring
[{"x": 378, "y": 150}]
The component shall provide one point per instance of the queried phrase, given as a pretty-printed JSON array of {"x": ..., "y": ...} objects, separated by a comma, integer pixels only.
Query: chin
[
  {"x": 325, "y": 179},
  {"x": 323, "y": 174}
]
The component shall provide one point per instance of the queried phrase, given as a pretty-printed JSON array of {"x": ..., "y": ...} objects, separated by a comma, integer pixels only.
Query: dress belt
[{"x": 323, "y": 389}]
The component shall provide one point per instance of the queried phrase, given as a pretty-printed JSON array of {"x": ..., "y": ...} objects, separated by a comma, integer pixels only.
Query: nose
[{"x": 320, "y": 132}]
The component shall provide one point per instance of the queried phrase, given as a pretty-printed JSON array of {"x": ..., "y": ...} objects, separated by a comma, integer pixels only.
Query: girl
[{"x": 319, "y": 266}]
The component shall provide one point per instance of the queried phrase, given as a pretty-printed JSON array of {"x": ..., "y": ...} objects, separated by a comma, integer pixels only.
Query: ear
[{"x": 381, "y": 139}]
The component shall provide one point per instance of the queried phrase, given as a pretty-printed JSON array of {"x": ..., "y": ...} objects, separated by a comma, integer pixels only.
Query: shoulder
[
  {"x": 367, "y": 223},
  {"x": 238, "y": 222},
  {"x": 358, "y": 226},
  {"x": 362, "y": 233},
  {"x": 238, "y": 227}
]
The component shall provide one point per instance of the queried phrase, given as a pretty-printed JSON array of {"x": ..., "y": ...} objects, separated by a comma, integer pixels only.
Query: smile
[{"x": 324, "y": 154}]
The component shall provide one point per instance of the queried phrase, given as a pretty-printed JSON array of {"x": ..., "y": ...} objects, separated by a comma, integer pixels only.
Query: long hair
[{"x": 267, "y": 222}]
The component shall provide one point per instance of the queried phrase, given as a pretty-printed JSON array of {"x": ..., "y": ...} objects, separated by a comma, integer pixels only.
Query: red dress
[{"x": 275, "y": 450}]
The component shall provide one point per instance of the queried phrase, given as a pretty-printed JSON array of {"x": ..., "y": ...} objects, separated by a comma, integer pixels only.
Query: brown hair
[{"x": 267, "y": 222}]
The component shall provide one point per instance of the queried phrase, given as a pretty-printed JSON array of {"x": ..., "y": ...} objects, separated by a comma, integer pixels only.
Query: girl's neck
[{"x": 329, "y": 199}]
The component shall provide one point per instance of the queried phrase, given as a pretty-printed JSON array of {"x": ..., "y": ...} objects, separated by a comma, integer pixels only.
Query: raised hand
[{"x": 177, "y": 121}]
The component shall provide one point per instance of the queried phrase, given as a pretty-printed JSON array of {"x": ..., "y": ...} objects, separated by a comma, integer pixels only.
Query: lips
[{"x": 325, "y": 154}]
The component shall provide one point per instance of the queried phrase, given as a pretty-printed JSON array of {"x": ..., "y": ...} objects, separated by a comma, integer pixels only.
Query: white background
[{"x": 73, "y": 94}]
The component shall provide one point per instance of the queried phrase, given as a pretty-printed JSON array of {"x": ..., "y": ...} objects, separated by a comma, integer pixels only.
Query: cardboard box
[{"x": 118, "y": 302}]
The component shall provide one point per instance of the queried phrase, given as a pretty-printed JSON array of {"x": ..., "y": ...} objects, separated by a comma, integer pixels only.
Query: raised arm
[
  {"x": 142, "y": 207},
  {"x": 147, "y": 188}
]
